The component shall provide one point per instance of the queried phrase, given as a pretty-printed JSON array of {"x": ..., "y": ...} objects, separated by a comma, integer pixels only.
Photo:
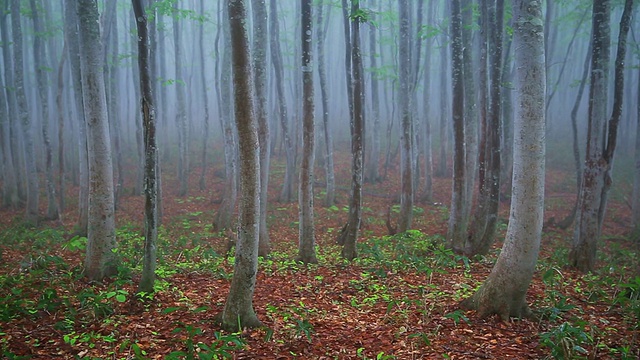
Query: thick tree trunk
[
  {"x": 238, "y": 310},
  {"x": 151, "y": 152},
  {"x": 406, "y": 136},
  {"x": 504, "y": 291},
  {"x": 31, "y": 214},
  {"x": 457, "y": 232},
  {"x": 100, "y": 260},
  {"x": 10, "y": 185},
  {"x": 259, "y": 11},
  {"x": 307, "y": 245}
]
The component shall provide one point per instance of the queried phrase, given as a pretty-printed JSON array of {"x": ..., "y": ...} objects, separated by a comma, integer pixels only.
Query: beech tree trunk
[
  {"x": 31, "y": 213},
  {"x": 205, "y": 99},
  {"x": 601, "y": 136},
  {"x": 72, "y": 37},
  {"x": 372, "y": 166},
  {"x": 181, "y": 111},
  {"x": 352, "y": 229},
  {"x": 406, "y": 136},
  {"x": 100, "y": 260},
  {"x": 457, "y": 231},
  {"x": 259, "y": 11},
  {"x": 505, "y": 289},
  {"x": 286, "y": 195},
  {"x": 307, "y": 245},
  {"x": 10, "y": 185},
  {"x": 328, "y": 138},
  {"x": 238, "y": 310}
]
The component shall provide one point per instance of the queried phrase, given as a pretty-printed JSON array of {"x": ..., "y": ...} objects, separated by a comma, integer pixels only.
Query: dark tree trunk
[
  {"x": 307, "y": 246},
  {"x": 151, "y": 152}
]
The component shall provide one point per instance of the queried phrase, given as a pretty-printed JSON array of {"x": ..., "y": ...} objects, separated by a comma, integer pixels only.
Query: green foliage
[
  {"x": 221, "y": 348},
  {"x": 567, "y": 341},
  {"x": 457, "y": 316}
]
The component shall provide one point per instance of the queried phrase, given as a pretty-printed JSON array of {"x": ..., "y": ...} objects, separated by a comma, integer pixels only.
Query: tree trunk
[
  {"x": 307, "y": 246},
  {"x": 404, "y": 105},
  {"x": 457, "y": 232},
  {"x": 42, "y": 78},
  {"x": 10, "y": 185},
  {"x": 61, "y": 118},
  {"x": 100, "y": 260},
  {"x": 181, "y": 111},
  {"x": 286, "y": 195},
  {"x": 351, "y": 230},
  {"x": 505, "y": 289},
  {"x": 328, "y": 139},
  {"x": 72, "y": 37},
  {"x": 601, "y": 137},
  {"x": 373, "y": 163},
  {"x": 238, "y": 311},
  {"x": 427, "y": 194},
  {"x": 205, "y": 99},
  {"x": 259, "y": 11},
  {"x": 442, "y": 169},
  {"x": 31, "y": 214},
  {"x": 151, "y": 152},
  {"x": 635, "y": 207},
  {"x": 224, "y": 217}
]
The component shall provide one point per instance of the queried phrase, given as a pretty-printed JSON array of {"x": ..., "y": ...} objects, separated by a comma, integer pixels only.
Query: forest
[{"x": 319, "y": 179}]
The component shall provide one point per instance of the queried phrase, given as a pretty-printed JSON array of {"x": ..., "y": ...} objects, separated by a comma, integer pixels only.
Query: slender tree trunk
[
  {"x": 404, "y": 105},
  {"x": 205, "y": 100},
  {"x": 457, "y": 232},
  {"x": 442, "y": 170},
  {"x": 61, "y": 129},
  {"x": 151, "y": 152},
  {"x": 286, "y": 195},
  {"x": 224, "y": 217},
  {"x": 238, "y": 310},
  {"x": 328, "y": 139},
  {"x": 505, "y": 289},
  {"x": 259, "y": 10},
  {"x": 10, "y": 185},
  {"x": 42, "y": 78},
  {"x": 635, "y": 208},
  {"x": 181, "y": 111},
  {"x": 427, "y": 194},
  {"x": 357, "y": 126},
  {"x": 31, "y": 214},
  {"x": 72, "y": 37},
  {"x": 100, "y": 260},
  {"x": 602, "y": 136},
  {"x": 568, "y": 220},
  {"x": 307, "y": 246},
  {"x": 373, "y": 163}
]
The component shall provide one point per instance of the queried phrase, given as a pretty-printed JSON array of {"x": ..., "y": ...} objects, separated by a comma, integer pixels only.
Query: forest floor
[{"x": 397, "y": 300}]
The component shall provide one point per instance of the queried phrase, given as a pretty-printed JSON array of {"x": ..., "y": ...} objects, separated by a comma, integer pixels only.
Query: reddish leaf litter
[{"x": 333, "y": 310}]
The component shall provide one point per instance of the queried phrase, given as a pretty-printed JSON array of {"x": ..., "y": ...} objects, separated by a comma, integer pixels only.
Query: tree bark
[
  {"x": 100, "y": 260},
  {"x": 31, "y": 213},
  {"x": 205, "y": 99},
  {"x": 457, "y": 231},
  {"x": 259, "y": 11},
  {"x": 181, "y": 111},
  {"x": 601, "y": 136},
  {"x": 373, "y": 163},
  {"x": 505, "y": 289},
  {"x": 307, "y": 245},
  {"x": 406, "y": 137},
  {"x": 238, "y": 310}
]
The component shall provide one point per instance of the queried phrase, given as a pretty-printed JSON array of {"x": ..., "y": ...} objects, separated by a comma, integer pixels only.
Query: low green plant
[
  {"x": 222, "y": 347},
  {"x": 567, "y": 341}
]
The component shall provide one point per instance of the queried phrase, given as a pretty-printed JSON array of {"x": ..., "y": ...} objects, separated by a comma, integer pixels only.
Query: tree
[
  {"x": 259, "y": 11},
  {"x": 72, "y": 38},
  {"x": 205, "y": 98},
  {"x": 238, "y": 310},
  {"x": 457, "y": 231},
  {"x": 42, "y": 78},
  {"x": 426, "y": 103},
  {"x": 307, "y": 242},
  {"x": 100, "y": 260},
  {"x": 181, "y": 113},
  {"x": 328, "y": 138},
  {"x": 151, "y": 152},
  {"x": 31, "y": 214},
  {"x": 601, "y": 136},
  {"x": 349, "y": 235},
  {"x": 10, "y": 186},
  {"x": 504, "y": 291},
  {"x": 406, "y": 137},
  {"x": 286, "y": 195},
  {"x": 372, "y": 170}
]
